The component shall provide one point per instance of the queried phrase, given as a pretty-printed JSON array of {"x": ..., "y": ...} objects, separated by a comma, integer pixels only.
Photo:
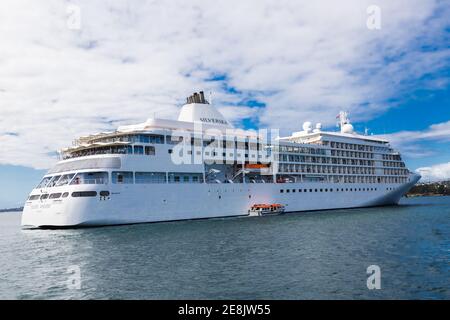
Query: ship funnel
[
  {"x": 197, "y": 98},
  {"x": 198, "y": 109}
]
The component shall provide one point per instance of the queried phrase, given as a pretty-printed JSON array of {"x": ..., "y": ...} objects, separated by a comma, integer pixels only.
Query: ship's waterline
[{"x": 164, "y": 170}]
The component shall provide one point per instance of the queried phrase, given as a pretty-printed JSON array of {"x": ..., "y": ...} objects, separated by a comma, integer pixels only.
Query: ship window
[
  {"x": 293, "y": 190},
  {"x": 55, "y": 196},
  {"x": 150, "y": 177},
  {"x": 182, "y": 177},
  {"x": 65, "y": 179},
  {"x": 142, "y": 138},
  {"x": 170, "y": 150},
  {"x": 44, "y": 196},
  {"x": 150, "y": 151},
  {"x": 310, "y": 190},
  {"x": 138, "y": 150},
  {"x": 173, "y": 140},
  {"x": 53, "y": 182},
  {"x": 44, "y": 182},
  {"x": 152, "y": 138},
  {"x": 65, "y": 195},
  {"x": 281, "y": 190},
  {"x": 299, "y": 190},
  {"x": 78, "y": 194},
  {"x": 104, "y": 193},
  {"x": 156, "y": 138},
  {"x": 321, "y": 190},
  {"x": 287, "y": 191},
  {"x": 122, "y": 177},
  {"x": 90, "y": 178},
  {"x": 315, "y": 190},
  {"x": 34, "y": 197}
]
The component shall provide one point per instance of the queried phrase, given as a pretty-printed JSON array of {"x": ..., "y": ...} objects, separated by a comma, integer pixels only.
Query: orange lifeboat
[
  {"x": 256, "y": 166},
  {"x": 266, "y": 209}
]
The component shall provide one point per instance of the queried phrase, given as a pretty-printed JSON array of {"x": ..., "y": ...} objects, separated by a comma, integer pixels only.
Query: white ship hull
[{"x": 129, "y": 204}]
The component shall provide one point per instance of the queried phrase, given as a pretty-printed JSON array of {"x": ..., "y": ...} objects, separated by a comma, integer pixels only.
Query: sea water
[{"x": 315, "y": 255}]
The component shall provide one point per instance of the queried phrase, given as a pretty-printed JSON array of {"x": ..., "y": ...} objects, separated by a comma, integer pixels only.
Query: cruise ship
[{"x": 200, "y": 166}]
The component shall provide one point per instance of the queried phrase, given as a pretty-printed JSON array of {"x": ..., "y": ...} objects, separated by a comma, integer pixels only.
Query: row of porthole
[
  {"x": 249, "y": 196},
  {"x": 75, "y": 194},
  {"x": 327, "y": 190}
]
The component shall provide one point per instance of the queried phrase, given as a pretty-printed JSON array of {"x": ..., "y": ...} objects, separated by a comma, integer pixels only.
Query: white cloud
[
  {"x": 439, "y": 131},
  {"x": 304, "y": 59},
  {"x": 408, "y": 141},
  {"x": 438, "y": 172}
]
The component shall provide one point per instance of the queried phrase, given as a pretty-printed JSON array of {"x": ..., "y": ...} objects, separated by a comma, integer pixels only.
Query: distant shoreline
[
  {"x": 434, "y": 189},
  {"x": 12, "y": 210},
  {"x": 425, "y": 195}
]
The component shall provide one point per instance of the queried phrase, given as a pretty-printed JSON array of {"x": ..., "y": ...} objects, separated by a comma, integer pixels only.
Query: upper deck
[{"x": 202, "y": 140}]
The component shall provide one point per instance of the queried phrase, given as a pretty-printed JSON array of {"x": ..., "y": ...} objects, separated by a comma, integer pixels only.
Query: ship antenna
[{"x": 343, "y": 118}]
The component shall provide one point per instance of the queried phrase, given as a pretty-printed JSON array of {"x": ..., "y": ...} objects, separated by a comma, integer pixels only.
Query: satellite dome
[
  {"x": 347, "y": 128},
  {"x": 318, "y": 128},
  {"x": 307, "y": 126}
]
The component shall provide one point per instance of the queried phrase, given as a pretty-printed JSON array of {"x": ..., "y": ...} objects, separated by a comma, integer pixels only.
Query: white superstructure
[{"x": 199, "y": 166}]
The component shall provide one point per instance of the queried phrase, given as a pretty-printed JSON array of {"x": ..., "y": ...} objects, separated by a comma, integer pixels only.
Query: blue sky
[{"x": 70, "y": 69}]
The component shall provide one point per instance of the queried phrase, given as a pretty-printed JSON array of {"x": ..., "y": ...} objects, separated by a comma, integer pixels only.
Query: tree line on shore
[{"x": 435, "y": 188}]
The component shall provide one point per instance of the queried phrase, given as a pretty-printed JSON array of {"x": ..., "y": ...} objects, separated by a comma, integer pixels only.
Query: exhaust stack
[{"x": 197, "y": 98}]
